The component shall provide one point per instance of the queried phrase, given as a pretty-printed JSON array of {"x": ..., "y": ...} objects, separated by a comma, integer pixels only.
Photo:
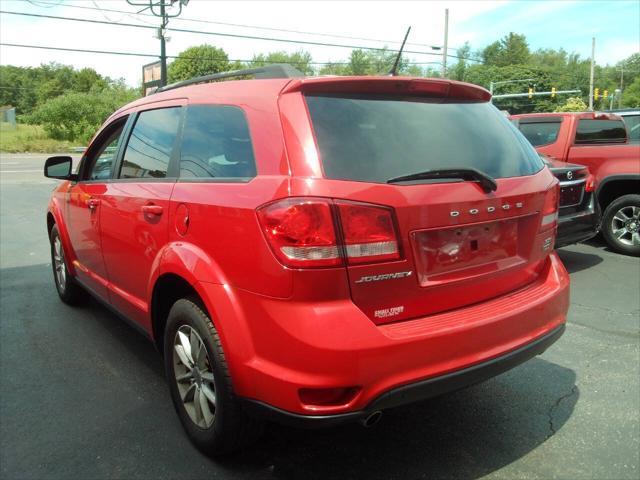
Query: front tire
[
  {"x": 621, "y": 225},
  {"x": 200, "y": 383},
  {"x": 68, "y": 290}
]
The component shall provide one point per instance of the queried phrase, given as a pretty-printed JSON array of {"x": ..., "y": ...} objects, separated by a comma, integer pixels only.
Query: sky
[{"x": 545, "y": 23}]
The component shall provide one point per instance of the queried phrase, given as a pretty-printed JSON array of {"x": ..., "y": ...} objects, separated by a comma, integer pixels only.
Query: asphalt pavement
[{"x": 82, "y": 394}]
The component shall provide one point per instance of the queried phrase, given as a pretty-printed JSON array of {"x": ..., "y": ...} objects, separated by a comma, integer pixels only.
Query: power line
[
  {"x": 232, "y": 35},
  {"x": 44, "y": 4},
  {"x": 109, "y": 52},
  {"x": 257, "y": 27},
  {"x": 131, "y": 54}
]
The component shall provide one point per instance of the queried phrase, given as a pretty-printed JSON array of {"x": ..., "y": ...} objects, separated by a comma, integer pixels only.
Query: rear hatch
[{"x": 459, "y": 243}]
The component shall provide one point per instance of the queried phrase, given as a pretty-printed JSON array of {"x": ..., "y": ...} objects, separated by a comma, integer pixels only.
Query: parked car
[
  {"x": 598, "y": 141},
  {"x": 313, "y": 250},
  {"x": 579, "y": 214}
]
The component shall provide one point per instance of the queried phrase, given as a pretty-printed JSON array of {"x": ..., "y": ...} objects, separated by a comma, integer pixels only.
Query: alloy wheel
[
  {"x": 194, "y": 376},
  {"x": 58, "y": 263},
  {"x": 625, "y": 225}
]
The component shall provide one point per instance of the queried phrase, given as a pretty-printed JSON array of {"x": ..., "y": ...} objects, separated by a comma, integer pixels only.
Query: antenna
[{"x": 393, "y": 73}]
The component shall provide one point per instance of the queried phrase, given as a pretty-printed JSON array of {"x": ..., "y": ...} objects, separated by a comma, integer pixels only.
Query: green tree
[
  {"x": 460, "y": 68},
  {"x": 76, "y": 116},
  {"x": 573, "y": 104},
  {"x": 512, "y": 49},
  {"x": 631, "y": 94},
  {"x": 197, "y": 61},
  {"x": 300, "y": 60}
]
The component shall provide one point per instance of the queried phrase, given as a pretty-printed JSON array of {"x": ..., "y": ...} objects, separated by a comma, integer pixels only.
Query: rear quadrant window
[
  {"x": 151, "y": 143},
  {"x": 216, "y": 144},
  {"x": 600, "y": 131}
]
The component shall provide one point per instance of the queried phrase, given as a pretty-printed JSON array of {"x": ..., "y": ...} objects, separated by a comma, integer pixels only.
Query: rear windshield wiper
[{"x": 487, "y": 183}]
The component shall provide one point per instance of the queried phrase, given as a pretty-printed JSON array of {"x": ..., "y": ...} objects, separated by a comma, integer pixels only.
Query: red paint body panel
[
  {"x": 132, "y": 238},
  {"x": 284, "y": 329}
]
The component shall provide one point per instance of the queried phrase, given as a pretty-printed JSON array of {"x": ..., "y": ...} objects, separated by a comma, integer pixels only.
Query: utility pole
[
  {"x": 446, "y": 41},
  {"x": 593, "y": 60},
  {"x": 163, "y": 46},
  {"x": 621, "y": 85},
  {"x": 164, "y": 21}
]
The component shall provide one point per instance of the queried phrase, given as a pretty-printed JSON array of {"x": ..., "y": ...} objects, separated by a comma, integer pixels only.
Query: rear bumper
[
  {"x": 277, "y": 347},
  {"x": 575, "y": 227},
  {"x": 412, "y": 392}
]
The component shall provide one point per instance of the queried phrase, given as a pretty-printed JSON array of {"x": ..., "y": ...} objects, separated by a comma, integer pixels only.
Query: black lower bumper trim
[{"x": 412, "y": 392}]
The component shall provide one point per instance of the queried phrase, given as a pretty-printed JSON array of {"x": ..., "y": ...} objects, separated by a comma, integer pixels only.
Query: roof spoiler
[
  {"x": 276, "y": 70},
  {"x": 421, "y": 87}
]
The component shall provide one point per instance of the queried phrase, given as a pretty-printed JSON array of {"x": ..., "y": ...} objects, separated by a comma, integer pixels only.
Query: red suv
[{"x": 313, "y": 250}]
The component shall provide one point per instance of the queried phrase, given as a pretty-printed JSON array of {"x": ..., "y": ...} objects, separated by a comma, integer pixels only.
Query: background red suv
[{"x": 314, "y": 250}]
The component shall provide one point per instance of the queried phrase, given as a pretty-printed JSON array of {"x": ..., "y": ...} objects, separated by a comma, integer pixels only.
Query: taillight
[
  {"x": 368, "y": 233},
  {"x": 302, "y": 232},
  {"x": 590, "y": 184},
  {"x": 550, "y": 208}
]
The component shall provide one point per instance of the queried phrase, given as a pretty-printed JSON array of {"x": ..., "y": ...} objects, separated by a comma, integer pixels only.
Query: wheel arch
[
  {"x": 615, "y": 186},
  {"x": 168, "y": 289},
  {"x": 54, "y": 217},
  {"x": 178, "y": 272}
]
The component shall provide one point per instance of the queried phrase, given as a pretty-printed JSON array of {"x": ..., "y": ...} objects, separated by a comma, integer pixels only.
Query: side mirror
[{"x": 59, "y": 168}]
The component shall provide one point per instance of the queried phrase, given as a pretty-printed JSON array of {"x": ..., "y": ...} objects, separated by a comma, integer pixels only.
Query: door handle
[
  {"x": 152, "y": 210},
  {"x": 93, "y": 203}
]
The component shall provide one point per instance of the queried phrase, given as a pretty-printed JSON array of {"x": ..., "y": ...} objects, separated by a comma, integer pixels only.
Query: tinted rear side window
[
  {"x": 151, "y": 143},
  {"x": 600, "y": 131},
  {"x": 216, "y": 143},
  {"x": 540, "y": 133},
  {"x": 375, "y": 139}
]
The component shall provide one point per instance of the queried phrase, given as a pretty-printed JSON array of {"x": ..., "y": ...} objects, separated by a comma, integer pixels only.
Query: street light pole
[
  {"x": 593, "y": 55},
  {"x": 163, "y": 46},
  {"x": 492, "y": 84},
  {"x": 446, "y": 41}
]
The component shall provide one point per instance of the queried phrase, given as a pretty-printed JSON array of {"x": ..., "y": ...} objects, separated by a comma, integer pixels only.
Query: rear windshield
[
  {"x": 540, "y": 133},
  {"x": 600, "y": 131},
  {"x": 373, "y": 139}
]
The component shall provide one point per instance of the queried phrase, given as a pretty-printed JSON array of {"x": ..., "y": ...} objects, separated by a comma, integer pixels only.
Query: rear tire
[
  {"x": 68, "y": 290},
  {"x": 200, "y": 383},
  {"x": 621, "y": 225}
]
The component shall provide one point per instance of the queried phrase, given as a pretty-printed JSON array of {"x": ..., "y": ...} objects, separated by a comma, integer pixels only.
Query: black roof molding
[{"x": 276, "y": 70}]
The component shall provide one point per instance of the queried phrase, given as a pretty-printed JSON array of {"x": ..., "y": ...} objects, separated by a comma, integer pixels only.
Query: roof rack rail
[{"x": 276, "y": 70}]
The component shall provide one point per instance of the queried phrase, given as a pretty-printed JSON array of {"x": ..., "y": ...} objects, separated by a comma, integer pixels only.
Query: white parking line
[{"x": 20, "y": 171}]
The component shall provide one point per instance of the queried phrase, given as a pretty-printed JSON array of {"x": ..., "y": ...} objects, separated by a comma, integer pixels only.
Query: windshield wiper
[{"x": 487, "y": 183}]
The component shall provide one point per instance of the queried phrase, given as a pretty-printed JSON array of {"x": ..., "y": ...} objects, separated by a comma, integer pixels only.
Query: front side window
[
  {"x": 600, "y": 131},
  {"x": 151, "y": 143},
  {"x": 101, "y": 162},
  {"x": 216, "y": 143},
  {"x": 540, "y": 133}
]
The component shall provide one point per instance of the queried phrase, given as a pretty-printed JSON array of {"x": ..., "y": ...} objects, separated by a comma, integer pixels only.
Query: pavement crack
[{"x": 552, "y": 409}]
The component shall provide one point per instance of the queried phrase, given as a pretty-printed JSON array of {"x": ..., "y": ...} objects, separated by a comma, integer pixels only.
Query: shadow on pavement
[
  {"x": 467, "y": 434},
  {"x": 578, "y": 261},
  {"x": 109, "y": 414}
]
